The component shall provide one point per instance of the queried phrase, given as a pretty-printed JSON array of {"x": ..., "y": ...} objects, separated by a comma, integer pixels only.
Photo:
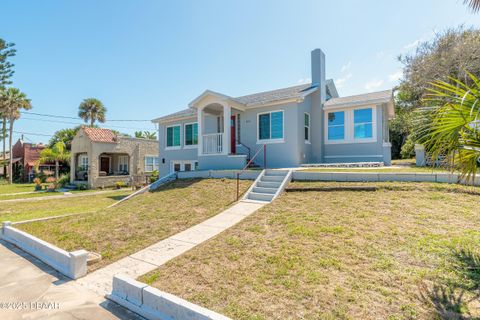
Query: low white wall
[
  {"x": 219, "y": 174},
  {"x": 379, "y": 177},
  {"x": 154, "y": 304},
  {"x": 72, "y": 264}
]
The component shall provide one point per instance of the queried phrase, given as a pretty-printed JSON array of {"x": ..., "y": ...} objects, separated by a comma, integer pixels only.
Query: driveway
[{"x": 29, "y": 289}]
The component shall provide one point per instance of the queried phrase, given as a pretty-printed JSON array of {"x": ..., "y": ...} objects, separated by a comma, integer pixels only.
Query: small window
[
  {"x": 176, "y": 167},
  {"x": 336, "y": 125},
  {"x": 173, "y": 136},
  {"x": 151, "y": 163},
  {"x": 307, "y": 127},
  {"x": 363, "y": 123},
  {"x": 191, "y": 134},
  {"x": 270, "y": 126},
  {"x": 123, "y": 164},
  {"x": 188, "y": 167},
  {"x": 83, "y": 162}
]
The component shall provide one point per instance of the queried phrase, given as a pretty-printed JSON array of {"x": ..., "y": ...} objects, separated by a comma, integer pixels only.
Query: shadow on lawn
[{"x": 449, "y": 302}]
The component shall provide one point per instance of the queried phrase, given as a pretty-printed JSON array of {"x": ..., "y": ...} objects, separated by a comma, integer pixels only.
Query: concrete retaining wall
[
  {"x": 72, "y": 264},
  {"x": 219, "y": 174},
  {"x": 379, "y": 177},
  {"x": 153, "y": 304}
]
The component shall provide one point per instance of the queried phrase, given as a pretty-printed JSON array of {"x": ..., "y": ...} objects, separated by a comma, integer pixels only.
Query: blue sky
[{"x": 145, "y": 59}]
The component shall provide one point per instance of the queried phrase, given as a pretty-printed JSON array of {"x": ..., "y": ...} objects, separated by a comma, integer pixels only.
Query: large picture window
[
  {"x": 363, "y": 123},
  {"x": 336, "y": 125},
  {"x": 173, "y": 136},
  {"x": 123, "y": 164},
  {"x": 270, "y": 126},
  {"x": 191, "y": 134}
]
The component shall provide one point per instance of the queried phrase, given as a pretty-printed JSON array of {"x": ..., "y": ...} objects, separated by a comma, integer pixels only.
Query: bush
[
  {"x": 154, "y": 176},
  {"x": 38, "y": 184},
  {"x": 82, "y": 186},
  {"x": 120, "y": 184},
  {"x": 63, "y": 180}
]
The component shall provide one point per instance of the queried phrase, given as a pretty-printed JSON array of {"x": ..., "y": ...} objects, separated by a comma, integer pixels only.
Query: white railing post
[
  {"x": 200, "y": 130},
  {"x": 227, "y": 112}
]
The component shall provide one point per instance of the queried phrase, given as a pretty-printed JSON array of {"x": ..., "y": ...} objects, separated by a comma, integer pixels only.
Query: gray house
[{"x": 298, "y": 125}]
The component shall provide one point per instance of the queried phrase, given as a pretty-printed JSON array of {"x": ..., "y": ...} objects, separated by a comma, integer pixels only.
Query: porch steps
[{"x": 269, "y": 184}]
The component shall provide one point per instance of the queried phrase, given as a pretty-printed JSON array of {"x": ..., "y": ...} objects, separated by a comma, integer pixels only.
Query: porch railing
[{"x": 212, "y": 143}]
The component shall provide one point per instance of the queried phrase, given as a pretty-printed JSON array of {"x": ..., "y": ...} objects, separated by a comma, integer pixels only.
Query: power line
[
  {"x": 76, "y": 118},
  {"x": 77, "y": 123},
  {"x": 33, "y": 133}
]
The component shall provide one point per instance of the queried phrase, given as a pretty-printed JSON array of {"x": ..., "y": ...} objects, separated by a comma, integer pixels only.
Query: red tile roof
[{"x": 100, "y": 135}]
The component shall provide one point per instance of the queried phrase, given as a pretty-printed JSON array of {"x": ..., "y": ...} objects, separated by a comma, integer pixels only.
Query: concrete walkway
[
  {"x": 29, "y": 289},
  {"x": 154, "y": 256},
  {"x": 63, "y": 196}
]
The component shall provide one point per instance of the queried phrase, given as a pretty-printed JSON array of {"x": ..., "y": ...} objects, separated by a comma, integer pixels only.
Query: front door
[
  {"x": 233, "y": 138},
  {"x": 105, "y": 164}
]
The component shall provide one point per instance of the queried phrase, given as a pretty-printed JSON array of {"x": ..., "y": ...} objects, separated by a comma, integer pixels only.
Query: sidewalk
[
  {"x": 154, "y": 256},
  {"x": 39, "y": 292}
]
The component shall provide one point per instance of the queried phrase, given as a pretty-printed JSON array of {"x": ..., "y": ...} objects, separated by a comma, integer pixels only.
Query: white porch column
[
  {"x": 227, "y": 112},
  {"x": 200, "y": 130}
]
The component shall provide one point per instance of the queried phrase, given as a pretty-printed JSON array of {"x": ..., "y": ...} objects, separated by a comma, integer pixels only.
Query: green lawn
[
  {"x": 19, "y": 211},
  {"x": 15, "y": 188},
  {"x": 139, "y": 222},
  {"x": 406, "y": 251}
]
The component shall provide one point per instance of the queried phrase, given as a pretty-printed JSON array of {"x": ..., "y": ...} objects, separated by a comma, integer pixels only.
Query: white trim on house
[
  {"x": 355, "y": 156},
  {"x": 191, "y": 146},
  {"x": 166, "y": 137},
  {"x": 349, "y": 126},
  {"x": 269, "y": 141},
  {"x": 154, "y": 166},
  {"x": 182, "y": 165}
]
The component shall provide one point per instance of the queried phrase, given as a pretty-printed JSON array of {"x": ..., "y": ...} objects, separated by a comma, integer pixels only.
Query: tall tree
[
  {"x": 473, "y": 4},
  {"x": 6, "y": 71},
  {"x": 146, "y": 135},
  {"x": 12, "y": 100},
  {"x": 64, "y": 135},
  {"x": 448, "y": 54},
  {"x": 91, "y": 110},
  {"x": 57, "y": 153}
]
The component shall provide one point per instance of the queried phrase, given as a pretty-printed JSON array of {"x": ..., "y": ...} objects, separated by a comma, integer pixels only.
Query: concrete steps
[{"x": 269, "y": 184}]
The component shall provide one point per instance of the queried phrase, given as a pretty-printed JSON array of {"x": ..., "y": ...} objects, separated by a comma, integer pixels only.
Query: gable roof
[
  {"x": 274, "y": 95},
  {"x": 366, "y": 98},
  {"x": 100, "y": 135}
]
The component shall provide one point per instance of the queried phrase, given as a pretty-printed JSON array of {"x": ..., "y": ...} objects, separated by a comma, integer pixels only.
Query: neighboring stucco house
[
  {"x": 101, "y": 158},
  {"x": 303, "y": 124}
]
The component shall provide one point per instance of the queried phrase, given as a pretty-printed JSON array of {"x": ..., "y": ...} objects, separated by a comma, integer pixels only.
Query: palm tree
[
  {"x": 146, "y": 135},
  {"x": 473, "y": 4},
  {"x": 57, "y": 153},
  {"x": 452, "y": 127},
  {"x": 4, "y": 138},
  {"x": 91, "y": 110},
  {"x": 12, "y": 100}
]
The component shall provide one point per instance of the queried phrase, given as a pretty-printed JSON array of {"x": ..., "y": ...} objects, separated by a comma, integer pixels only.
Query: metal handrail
[
  {"x": 248, "y": 148},
  {"x": 248, "y": 163}
]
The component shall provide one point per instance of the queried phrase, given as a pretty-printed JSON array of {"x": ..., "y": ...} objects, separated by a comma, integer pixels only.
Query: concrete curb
[
  {"x": 154, "y": 304},
  {"x": 72, "y": 264}
]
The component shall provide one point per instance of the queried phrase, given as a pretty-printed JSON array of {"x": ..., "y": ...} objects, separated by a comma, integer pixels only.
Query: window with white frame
[
  {"x": 173, "y": 136},
  {"x": 151, "y": 163},
  {"x": 351, "y": 125},
  {"x": 83, "y": 161},
  {"x": 362, "y": 123},
  {"x": 183, "y": 165},
  {"x": 123, "y": 163},
  {"x": 336, "y": 125},
  {"x": 307, "y": 126},
  {"x": 270, "y": 126},
  {"x": 191, "y": 134}
]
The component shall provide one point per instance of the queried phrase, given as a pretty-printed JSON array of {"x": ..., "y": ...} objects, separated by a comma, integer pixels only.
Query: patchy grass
[
  {"x": 19, "y": 211},
  {"x": 42, "y": 194},
  {"x": 406, "y": 251},
  {"x": 137, "y": 223},
  {"x": 6, "y": 188}
]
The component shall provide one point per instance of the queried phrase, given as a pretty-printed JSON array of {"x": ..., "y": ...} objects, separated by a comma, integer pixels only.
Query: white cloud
[
  {"x": 373, "y": 84},
  {"x": 346, "y": 66},
  {"x": 340, "y": 82},
  {"x": 303, "y": 81},
  {"x": 395, "y": 76}
]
